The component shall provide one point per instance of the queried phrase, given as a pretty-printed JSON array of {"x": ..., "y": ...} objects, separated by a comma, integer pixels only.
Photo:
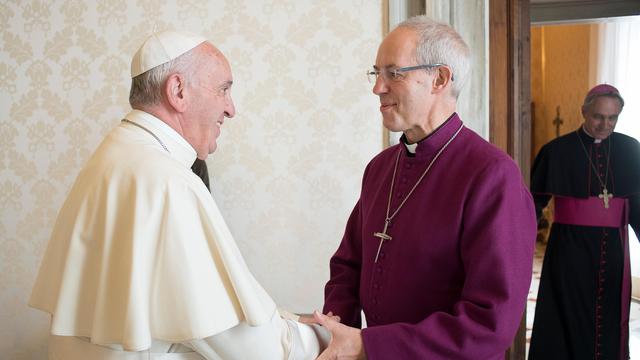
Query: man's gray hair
[
  {"x": 590, "y": 99},
  {"x": 440, "y": 43},
  {"x": 146, "y": 88}
]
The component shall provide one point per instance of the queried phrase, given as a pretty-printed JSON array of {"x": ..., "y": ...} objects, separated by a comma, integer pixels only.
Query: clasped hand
[{"x": 346, "y": 342}]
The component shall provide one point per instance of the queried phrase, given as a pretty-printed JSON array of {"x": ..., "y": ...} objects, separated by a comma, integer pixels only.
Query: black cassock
[
  {"x": 199, "y": 168},
  {"x": 578, "y": 310}
]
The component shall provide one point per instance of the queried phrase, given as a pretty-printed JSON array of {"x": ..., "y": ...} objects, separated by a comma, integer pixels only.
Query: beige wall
[
  {"x": 560, "y": 76},
  {"x": 288, "y": 166}
]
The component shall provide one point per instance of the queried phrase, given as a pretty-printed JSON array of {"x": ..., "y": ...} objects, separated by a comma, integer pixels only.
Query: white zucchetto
[{"x": 163, "y": 47}]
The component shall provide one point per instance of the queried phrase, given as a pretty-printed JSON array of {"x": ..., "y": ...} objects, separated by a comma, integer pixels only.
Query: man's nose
[
  {"x": 230, "y": 109},
  {"x": 380, "y": 86}
]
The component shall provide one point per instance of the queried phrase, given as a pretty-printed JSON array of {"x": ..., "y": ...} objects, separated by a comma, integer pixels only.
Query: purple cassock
[{"x": 452, "y": 281}]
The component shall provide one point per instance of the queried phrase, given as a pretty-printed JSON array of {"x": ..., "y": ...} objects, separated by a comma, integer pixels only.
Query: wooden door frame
[
  {"x": 509, "y": 99},
  {"x": 509, "y": 84}
]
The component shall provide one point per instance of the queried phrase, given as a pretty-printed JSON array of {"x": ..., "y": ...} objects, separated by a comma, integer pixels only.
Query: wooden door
[{"x": 509, "y": 99}]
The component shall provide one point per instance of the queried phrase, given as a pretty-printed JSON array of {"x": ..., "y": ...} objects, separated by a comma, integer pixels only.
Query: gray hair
[
  {"x": 590, "y": 99},
  {"x": 146, "y": 88},
  {"x": 440, "y": 43}
]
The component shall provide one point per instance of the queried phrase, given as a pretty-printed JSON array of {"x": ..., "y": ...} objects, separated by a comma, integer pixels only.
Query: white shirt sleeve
[{"x": 278, "y": 339}]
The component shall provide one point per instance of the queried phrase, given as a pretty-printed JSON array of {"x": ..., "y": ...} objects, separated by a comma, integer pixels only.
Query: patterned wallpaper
[{"x": 288, "y": 166}]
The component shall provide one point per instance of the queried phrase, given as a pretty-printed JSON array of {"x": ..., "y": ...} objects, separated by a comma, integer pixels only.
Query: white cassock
[{"x": 141, "y": 264}]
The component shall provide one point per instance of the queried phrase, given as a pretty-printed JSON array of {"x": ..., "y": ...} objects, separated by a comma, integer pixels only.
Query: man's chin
[
  {"x": 391, "y": 125},
  {"x": 602, "y": 136},
  {"x": 212, "y": 149}
]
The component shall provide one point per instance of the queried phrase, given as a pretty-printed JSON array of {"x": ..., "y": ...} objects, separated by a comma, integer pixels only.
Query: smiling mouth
[{"x": 385, "y": 107}]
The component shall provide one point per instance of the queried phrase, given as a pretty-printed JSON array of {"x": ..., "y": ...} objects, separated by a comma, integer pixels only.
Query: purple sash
[{"x": 591, "y": 212}]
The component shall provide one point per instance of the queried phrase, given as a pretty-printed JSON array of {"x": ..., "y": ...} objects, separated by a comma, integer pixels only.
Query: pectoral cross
[
  {"x": 383, "y": 236},
  {"x": 605, "y": 196}
]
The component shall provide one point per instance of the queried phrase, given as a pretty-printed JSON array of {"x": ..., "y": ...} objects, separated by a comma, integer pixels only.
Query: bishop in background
[
  {"x": 141, "y": 264},
  {"x": 593, "y": 175}
]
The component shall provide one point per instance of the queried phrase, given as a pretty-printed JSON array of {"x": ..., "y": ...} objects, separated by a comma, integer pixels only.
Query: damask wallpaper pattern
[{"x": 288, "y": 166}]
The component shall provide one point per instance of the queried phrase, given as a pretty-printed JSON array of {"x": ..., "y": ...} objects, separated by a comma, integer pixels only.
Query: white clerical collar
[
  {"x": 177, "y": 146},
  {"x": 597, "y": 141},
  {"x": 411, "y": 148}
]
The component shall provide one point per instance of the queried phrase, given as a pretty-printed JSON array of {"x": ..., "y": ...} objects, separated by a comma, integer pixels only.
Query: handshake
[{"x": 336, "y": 340}]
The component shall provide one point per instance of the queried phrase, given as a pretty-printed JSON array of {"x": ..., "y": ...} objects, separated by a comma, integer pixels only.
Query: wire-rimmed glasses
[{"x": 394, "y": 74}]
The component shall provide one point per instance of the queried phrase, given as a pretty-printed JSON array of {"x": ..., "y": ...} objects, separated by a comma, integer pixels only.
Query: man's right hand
[{"x": 346, "y": 342}]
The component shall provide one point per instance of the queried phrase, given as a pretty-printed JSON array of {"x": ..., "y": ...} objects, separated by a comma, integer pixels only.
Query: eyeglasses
[{"x": 395, "y": 74}]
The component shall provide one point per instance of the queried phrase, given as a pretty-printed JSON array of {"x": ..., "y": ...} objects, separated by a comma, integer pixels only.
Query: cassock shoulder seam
[
  {"x": 484, "y": 154},
  {"x": 379, "y": 160},
  {"x": 388, "y": 152}
]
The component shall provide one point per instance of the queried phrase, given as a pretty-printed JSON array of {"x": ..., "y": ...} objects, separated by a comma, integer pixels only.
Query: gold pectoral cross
[
  {"x": 383, "y": 236},
  {"x": 605, "y": 196}
]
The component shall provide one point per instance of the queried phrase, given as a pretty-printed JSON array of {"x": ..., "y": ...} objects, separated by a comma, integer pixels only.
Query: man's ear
[
  {"x": 174, "y": 90},
  {"x": 443, "y": 77},
  {"x": 584, "y": 111}
]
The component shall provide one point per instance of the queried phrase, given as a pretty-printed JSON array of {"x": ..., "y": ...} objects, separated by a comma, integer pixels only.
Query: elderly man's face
[
  {"x": 212, "y": 101},
  {"x": 404, "y": 102},
  {"x": 601, "y": 117}
]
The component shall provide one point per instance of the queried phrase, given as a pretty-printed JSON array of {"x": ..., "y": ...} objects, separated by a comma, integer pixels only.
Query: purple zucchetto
[{"x": 602, "y": 90}]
